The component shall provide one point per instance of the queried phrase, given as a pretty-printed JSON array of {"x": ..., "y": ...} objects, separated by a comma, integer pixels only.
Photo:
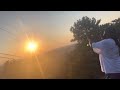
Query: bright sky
[{"x": 51, "y": 28}]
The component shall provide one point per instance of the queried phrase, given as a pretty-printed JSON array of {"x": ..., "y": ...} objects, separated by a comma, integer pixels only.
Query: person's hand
[{"x": 90, "y": 42}]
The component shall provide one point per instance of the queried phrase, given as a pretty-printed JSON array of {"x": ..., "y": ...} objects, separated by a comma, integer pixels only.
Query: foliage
[{"x": 83, "y": 55}]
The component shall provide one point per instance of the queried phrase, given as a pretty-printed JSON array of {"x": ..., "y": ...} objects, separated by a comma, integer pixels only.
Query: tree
[
  {"x": 85, "y": 28},
  {"x": 82, "y": 56},
  {"x": 85, "y": 60}
]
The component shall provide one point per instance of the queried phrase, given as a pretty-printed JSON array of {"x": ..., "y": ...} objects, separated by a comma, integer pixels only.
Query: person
[{"x": 108, "y": 50}]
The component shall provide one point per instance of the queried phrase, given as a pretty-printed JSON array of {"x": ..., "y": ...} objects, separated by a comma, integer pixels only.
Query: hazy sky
[{"x": 52, "y": 28}]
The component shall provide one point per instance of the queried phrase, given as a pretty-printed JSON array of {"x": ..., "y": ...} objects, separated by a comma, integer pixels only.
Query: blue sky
[{"x": 51, "y": 27}]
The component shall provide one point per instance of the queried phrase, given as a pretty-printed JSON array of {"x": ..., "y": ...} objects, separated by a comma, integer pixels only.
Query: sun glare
[{"x": 32, "y": 46}]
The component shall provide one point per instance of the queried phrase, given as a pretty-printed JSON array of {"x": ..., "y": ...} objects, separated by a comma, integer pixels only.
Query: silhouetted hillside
[
  {"x": 55, "y": 61},
  {"x": 58, "y": 63}
]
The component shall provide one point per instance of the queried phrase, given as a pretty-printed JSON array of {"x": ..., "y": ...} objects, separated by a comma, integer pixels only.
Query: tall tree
[{"x": 85, "y": 28}]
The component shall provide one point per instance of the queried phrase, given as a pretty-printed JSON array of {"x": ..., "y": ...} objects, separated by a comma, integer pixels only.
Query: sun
[{"x": 32, "y": 46}]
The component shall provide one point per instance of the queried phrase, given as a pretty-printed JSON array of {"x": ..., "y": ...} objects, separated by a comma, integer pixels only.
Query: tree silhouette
[
  {"x": 85, "y": 60},
  {"x": 85, "y": 28}
]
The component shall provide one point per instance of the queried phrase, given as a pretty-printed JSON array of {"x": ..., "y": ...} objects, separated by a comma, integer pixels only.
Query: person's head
[{"x": 109, "y": 33}]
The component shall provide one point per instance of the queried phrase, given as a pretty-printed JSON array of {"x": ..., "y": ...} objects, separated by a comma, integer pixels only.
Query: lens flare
[{"x": 32, "y": 46}]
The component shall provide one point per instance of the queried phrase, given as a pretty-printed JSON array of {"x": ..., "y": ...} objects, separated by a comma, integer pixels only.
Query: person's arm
[
  {"x": 90, "y": 42},
  {"x": 97, "y": 47},
  {"x": 96, "y": 50}
]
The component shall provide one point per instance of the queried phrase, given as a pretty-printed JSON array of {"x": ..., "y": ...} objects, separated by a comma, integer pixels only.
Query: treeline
[
  {"x": 20, "y": 69},
  {"x": 84, "y": 62}
]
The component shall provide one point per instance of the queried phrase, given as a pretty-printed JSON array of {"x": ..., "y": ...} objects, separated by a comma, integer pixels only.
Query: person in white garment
[{"x": 108, "y": 50}]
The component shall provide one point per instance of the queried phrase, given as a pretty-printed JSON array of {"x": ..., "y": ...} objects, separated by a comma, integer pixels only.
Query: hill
[{"x": 54, "y": 64}]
